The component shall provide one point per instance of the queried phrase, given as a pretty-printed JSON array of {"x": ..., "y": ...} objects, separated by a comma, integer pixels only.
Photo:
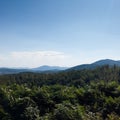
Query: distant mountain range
[
  {"x": 96, "y": 64},
  {"x": 46, "y": 68},
  {"x": 49, "y": 68}
]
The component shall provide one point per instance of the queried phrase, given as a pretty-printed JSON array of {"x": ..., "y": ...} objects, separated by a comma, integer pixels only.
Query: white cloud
[
  {"x": 33, "y": 59},
  {"x": 38, "y": 58}
]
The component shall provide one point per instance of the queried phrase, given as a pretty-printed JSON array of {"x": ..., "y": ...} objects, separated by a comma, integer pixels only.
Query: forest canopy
[{"x": 67, "y": 95}]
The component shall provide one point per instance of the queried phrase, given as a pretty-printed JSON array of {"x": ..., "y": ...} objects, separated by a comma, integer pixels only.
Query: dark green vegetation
[{"x": 69, "y": 95}]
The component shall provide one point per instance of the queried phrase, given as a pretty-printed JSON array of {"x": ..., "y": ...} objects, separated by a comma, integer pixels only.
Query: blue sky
[{"x": 58, "y": 32}]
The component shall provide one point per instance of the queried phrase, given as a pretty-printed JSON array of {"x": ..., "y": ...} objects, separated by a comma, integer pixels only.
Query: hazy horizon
[{"x": 58, "y": 33}]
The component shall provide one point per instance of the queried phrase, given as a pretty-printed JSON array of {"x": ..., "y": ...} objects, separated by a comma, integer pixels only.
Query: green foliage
[
  {"x": 113, "y": 116},
  {"x": 72, "y": 95},
  {"x": 67, "y": 111},
  {"x": 32, "y": 113}
]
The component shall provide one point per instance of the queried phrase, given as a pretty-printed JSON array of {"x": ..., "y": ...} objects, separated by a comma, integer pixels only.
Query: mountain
[
  {"x": 96, "y": 64},
  {"x": 48, "y": 68},
  {"x": 12, "y": 70},
  {"x": 44, "y": 68}
]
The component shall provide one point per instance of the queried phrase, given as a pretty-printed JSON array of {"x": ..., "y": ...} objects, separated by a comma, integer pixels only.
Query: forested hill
[
  {"x": 73, "y": 77},
  {"x": 92, "y": 94},
  {"x": 96, "y": 64}
]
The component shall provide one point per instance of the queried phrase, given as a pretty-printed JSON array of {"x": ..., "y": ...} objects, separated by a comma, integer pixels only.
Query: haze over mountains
[
  {"x": 46, "y": 68},
  {"x": 43, "y": 68}
]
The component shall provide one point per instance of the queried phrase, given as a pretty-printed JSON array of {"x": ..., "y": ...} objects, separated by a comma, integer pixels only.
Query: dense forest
[{"x": 68, "y": 95}]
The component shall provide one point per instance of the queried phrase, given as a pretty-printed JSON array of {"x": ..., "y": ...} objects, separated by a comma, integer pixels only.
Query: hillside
[
  {"x": 89, "y": 94},
  {"x": 72, "y": 77},
  {"x": 96, "y": 64}
]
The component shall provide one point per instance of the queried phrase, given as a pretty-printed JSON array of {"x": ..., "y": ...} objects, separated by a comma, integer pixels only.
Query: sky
[{"x": 58, "y": 32}]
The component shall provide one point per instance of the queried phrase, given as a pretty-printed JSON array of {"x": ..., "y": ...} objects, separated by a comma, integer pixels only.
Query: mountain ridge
[
  {"x": 44, "y": 68},
  {"x": 98, "y": 63},
  {"x": 47, "y": 68}
]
